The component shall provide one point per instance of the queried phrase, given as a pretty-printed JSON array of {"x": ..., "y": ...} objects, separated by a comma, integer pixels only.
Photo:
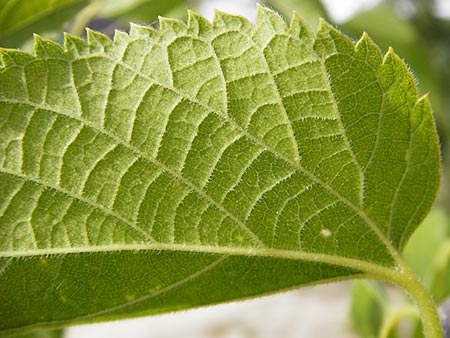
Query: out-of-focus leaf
[
  {"x": 428, "y": 253},
  {"x": 440, "y": 286},
  {"x": 367, "y": 310},
  {"x": 310, "y": 10},
  {"x": 19, "y": 19},
  {"x": 142, "y": 11},
  {"x": 426, "y": 244}
]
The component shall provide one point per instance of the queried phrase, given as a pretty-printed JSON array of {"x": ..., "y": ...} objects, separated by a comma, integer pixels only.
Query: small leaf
[{"x": 202, "y": 164}]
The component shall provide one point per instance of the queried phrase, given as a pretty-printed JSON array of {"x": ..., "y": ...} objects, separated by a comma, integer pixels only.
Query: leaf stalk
[{"x": 411, "y": 283}]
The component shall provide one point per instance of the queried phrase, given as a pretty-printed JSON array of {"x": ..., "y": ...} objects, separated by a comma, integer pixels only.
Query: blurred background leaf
[
  {"x": 109, "y": 15},
  {"x": 20, "y": 19},
  {"x": 368, "y": 308},
  {"x": 428, "y": 252},
  {"x": 141, "y": 11},
  {"x": 425, "y": 251}
]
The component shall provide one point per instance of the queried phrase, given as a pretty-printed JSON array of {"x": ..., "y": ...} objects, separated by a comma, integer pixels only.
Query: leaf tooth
[
  {"x": 98, "y": 42},
  {"x": 398, "y": 70},
  {"x": 421, "y": 107},
  {"x": 268, "y": 24},
  {"x": 44, "y": 48},
  {"x": 271, "y": 19},
  {"x": 14, "y": 57},
  {"x": 300, "y": 29},
  {"x": 75, "y": 46},
  {"x": 199, "y": 26},
  {"x": 170, "y": 29},
  {"x": 224, "y": 22},
  {"x": 137, "y": 31},
  {"x": 331, "y": 41},
  {"x": 424, "y": 101},
  {"x": 368, "y": 50},
  {"x": 121, "y": 38}
]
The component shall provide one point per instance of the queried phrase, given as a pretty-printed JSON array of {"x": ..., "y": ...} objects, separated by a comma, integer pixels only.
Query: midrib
[{"x": 370, "y": 268}]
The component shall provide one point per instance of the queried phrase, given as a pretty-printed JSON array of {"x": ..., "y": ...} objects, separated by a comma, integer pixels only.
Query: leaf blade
[{"x": 206, "y": 144}]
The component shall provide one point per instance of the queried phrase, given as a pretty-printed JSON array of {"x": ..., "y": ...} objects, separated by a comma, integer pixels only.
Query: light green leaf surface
[
  {"x": 19, "y": 19},
  {"x": 201, "y": 164},
  {"x": 403, "y": 36}
]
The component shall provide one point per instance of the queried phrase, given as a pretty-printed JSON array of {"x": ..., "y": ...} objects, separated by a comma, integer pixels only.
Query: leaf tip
[
  {"x": 170, "y": 28},
  {"x": 299, "y": 27},
  {"x": 2, "y": 57},
  {"x": 13, "y": 57},
  {"x": 261, "y": 8},
  {"x": 393, "y": 59},
  {"x": 137, "y": 31},
  {"x": 365, "y": 37},
  {"x": 269, "y": 18},
  {"x": 366, "y": 45},
  {"x": 324, "y": 26},
  {"x": 199, "y": 25},
  {"x": 120, "y": 36},
  {"x": 219, "y": 16},
  {"x": 74, "y": 44},
  {"x": 44, "y": 47},
  {"x": 97, "y": 40},
  {"x": 231, "y": 22},
  {"x": 424, "y": 100}
]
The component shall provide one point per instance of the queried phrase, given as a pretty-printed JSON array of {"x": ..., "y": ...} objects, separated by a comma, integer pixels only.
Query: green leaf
[
  {"x": 402, "y": 35},
  {"x": 141, "y": 11},
  {"x": 20, "y": 18},
  {"x": 368, "y": 308},
  {"x": 204, "y": 163},
  {"x": 426, "y": 250}
]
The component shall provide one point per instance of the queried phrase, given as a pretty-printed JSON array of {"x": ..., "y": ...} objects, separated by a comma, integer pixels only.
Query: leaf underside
[{"x": 203, "y": 163}]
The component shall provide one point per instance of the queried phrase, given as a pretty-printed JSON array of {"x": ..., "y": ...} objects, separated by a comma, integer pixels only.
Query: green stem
[
  {"x": 408, "y": 280},
  {"x": 395, "y": 316}
]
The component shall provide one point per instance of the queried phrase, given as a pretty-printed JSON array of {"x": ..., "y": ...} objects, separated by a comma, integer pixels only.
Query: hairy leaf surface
[{"x": 203, "y": 163}]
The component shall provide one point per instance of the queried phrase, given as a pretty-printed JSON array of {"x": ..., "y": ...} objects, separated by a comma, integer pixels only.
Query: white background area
[{"x": 313, "y": 312}]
